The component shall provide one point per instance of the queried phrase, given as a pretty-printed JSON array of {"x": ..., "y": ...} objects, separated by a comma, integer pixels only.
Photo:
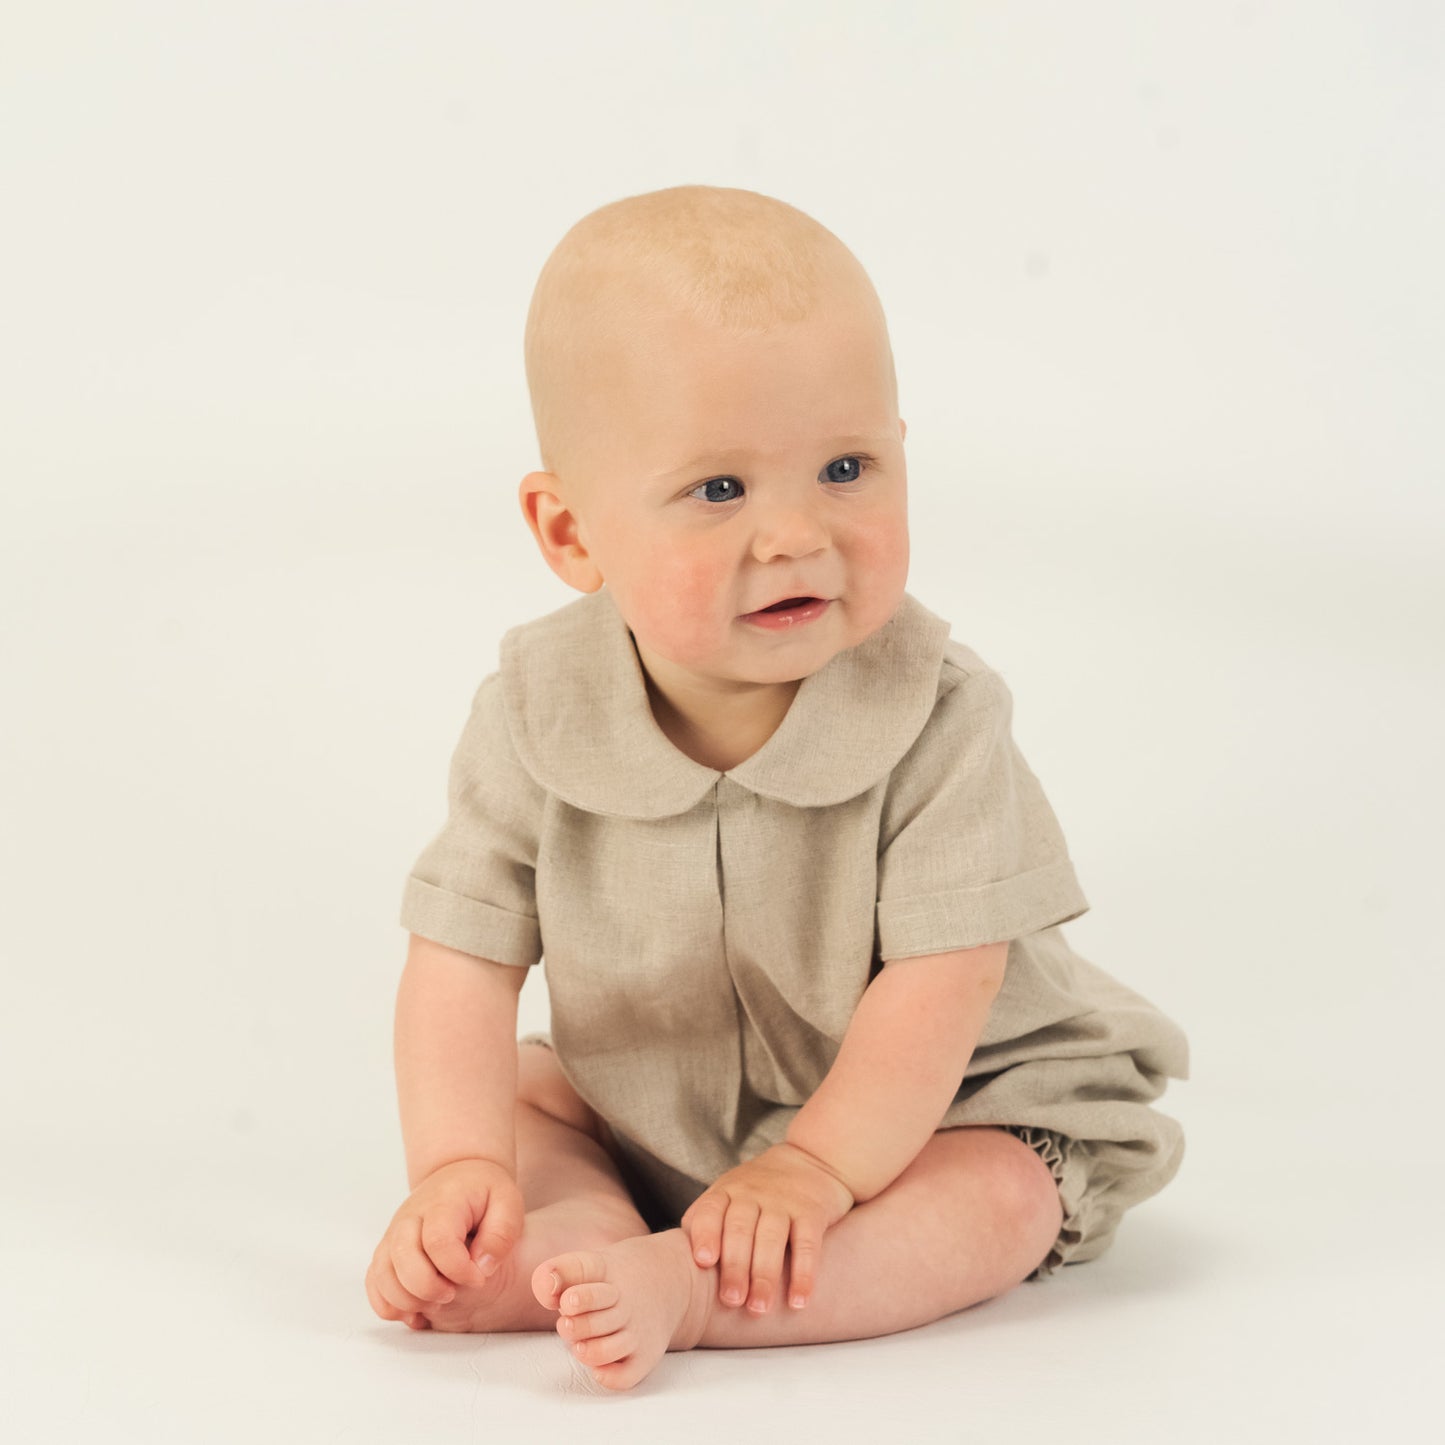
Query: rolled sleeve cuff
[
  {"x": 970, "y": 917},
  {"x": 470, "y": 926}
]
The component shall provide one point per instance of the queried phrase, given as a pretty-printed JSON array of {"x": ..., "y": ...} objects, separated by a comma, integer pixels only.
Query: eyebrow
[{"x": 729, "y": 454}]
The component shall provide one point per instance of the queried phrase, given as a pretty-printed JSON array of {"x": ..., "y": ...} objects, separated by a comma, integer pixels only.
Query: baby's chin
[
  {"x": 744, "y": 668},
  {"x": 763, "y": 666}
]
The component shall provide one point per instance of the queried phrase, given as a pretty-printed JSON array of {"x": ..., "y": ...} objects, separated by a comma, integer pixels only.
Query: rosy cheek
[
  {"x": 877, "y": 571},
  {"x": 680, "y": 603},
  {"x": 698, "y": 578},
  {"x": 881, "y": 550}
]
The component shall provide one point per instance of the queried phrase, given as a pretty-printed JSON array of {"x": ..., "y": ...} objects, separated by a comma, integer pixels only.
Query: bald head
[{"x": 637, "y": 274}]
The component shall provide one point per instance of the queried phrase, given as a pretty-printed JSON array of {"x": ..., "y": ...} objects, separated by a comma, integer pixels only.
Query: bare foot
[
  {"x": 624, "y": 1306},
  {"x": 505, "y": 1301}
]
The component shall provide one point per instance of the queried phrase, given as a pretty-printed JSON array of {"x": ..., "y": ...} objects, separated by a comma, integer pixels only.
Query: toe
[
  {"x": 590, "y": 1325},
  {"x": 605, "y": 1349},
  {"x": 582, "y": 1298},
  {"x": 555, "y": 1275},
  {"x": 616, "y": 1377}
]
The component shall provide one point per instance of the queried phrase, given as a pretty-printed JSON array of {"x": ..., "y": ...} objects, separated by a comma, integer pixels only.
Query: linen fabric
[{"x": 706, "y": 936}]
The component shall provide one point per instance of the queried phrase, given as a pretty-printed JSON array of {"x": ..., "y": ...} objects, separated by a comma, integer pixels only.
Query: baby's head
[{"x": 717, "y": 413}]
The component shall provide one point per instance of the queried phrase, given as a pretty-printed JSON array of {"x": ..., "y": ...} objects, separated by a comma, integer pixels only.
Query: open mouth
[{"x": 789, "y": 613}]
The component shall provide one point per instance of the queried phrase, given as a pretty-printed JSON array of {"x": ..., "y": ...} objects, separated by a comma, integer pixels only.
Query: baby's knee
[
  {"x": 1006, "y": 1180},
  {"x": 1030, "y": 1191}
]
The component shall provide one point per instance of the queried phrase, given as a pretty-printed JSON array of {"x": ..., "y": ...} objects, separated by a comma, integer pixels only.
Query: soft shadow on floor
[{"x": 1156, "y": 1253}]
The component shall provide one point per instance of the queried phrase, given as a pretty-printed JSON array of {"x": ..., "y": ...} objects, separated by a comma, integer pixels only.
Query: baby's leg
[
  {"x": 575, "y": 1199},
  {"x": 972, "y": 1216}
]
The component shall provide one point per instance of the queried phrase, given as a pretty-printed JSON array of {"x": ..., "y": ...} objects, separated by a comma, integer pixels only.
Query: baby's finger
[
  {"x": 414, "y": 1269},
  {"x": 443, "y": 1235},
  {"x": 499, "y": 1231},
  {"x": 805, "y": 1251},
  {"x": 703, "y": 1223},
  {"x": 770, "y": 1243},
  {"x": 737, "y": 1252},
  {"x": 396, "y": 1294},
  {"x": 377, "y": 1300}
]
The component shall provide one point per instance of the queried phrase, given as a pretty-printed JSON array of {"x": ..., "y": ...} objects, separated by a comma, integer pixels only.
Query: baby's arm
[
  {"x": 456, "y": 1058},
  {"x": 899, "y": 1066},
  {"x": 456, "y": 1078}
]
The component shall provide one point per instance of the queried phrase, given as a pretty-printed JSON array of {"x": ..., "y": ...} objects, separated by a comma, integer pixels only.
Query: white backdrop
[{"x": 1164, "y": 290}]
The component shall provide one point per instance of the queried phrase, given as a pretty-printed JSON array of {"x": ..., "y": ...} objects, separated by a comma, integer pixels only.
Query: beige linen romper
[{"x": 707, "y": 936}]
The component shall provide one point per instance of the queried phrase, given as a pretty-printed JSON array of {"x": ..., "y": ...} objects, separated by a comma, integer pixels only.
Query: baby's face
[{"x": 731, "y": 473}]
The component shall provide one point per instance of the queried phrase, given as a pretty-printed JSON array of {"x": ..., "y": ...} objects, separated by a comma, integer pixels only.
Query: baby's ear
[{"x": 557, "y": 533}]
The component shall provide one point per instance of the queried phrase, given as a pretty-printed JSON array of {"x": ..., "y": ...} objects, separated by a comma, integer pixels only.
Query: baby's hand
[
  {"x": 752, "y": 1213},
  {"x": 424, "y": 1252}
]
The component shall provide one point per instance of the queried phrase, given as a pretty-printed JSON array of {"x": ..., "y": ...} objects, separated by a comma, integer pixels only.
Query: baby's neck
[{"x": 723, "y": 738}]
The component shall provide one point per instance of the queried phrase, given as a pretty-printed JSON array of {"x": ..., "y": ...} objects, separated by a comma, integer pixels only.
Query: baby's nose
[{"x": 792, "y": 528}]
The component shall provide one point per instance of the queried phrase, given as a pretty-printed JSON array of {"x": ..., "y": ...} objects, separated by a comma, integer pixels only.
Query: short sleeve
[
  {"x": 473, "y": 887},
  {"x": 970, "y": 851}
]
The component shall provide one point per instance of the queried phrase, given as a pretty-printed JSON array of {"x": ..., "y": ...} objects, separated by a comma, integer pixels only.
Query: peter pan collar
[{"x": 576, "y": 702}]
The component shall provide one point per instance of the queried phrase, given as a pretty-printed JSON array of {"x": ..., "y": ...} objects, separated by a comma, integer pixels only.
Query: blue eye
[
  {"x": 716, "y": 482},
  {"x": 862, "y": 464},
  {"x": 859, "y": 462}
]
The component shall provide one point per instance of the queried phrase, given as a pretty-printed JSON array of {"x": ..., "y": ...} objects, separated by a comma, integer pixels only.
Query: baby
[{"x": 822, "y": 1064}]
